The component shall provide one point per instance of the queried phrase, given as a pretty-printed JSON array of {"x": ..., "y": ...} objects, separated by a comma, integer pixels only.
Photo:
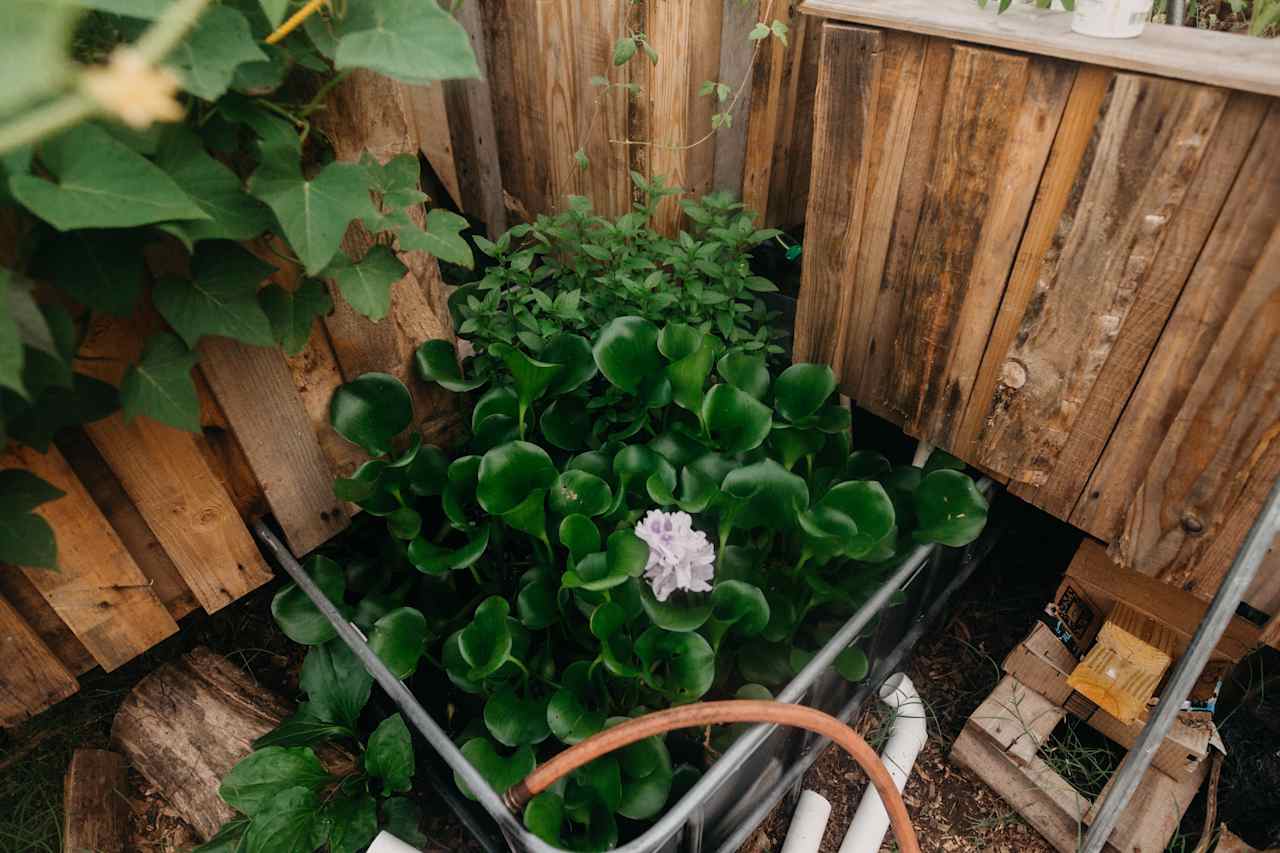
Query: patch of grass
[{"x": 1081, "y": 756}]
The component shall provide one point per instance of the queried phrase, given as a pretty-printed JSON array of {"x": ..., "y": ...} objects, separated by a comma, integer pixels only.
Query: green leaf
[
  {"x": 566, "y": 423},
  {"x": 740, "y": 606},
  {"x": 433, "y": 559},
  {"x": 530, "y": 377},
  {"x": 580, "y": 492},
  {"x": 313, "y": 214},
  {"x": 736, "y": 421},
  {"x": 353, "y": 819},
  {"x": 207, "y": 59},
  {"x": 389, "y": 755},
  {"x": 220, "y": 299},
  {"x": 770, "y": 495},
  {"x": 580, "y": 535},
  {"x": 572, "y": 712},
  {"x": 501, "y": 772},
  {"x": 400, "y": 638},
  {"x": 681, "y": 612},
  {"x": 514, "y": 721},
  {"x": 437, "y": 362},
  {"x": 398, "y": 181},
  {"x": 26, "y": 539},
  {"x": 274, "y": 10},
  {"x": 689, "y": 373},
  {"x": 802, "y": 389},
  {"x": 411, "y": 40},
  {"x": 626, "y": 352},
  {"x": 304, "y": 728},
  {"x": 336, "y": 683},
  {"x": 294, "y": 612},
  {"x": 257, "y": 778},
  {"x": 404, "y": 523},
  {"x": 293, "y": 313},
  {"x": 627, "y": 554},
  {"x": 643, "y": 797},
  {"x": 102, "y": 270},
  {"x": 543, "y": 816},
  {"x": 486, "y": 642},
  {"x": 101, "y": 183},
  {"x": 371, "y": 410},
  {"x": 623, "y": 50},
  {"x": 745, "y": 372},
  {"x": 218, "y": 191},
  {"x": 289, "y": 823},
  {"x": 509, "y": 473},
  {"x": 950, "y": 508},
  {"x": 367, "y": 285},
  {"x": 852, "y": 664},
  {"x": 679, "y": 665},
  {"x": 403, "y": 819},
  {"x": 442, "y": 237},
  {"x": 35, "y": 51},
  {"x": 867, "y": 504},
  {"x": 577, "y": 364},
  {"x": 160, "y": 384},
  {"x": 229, "y": 838},
  {"x": 866, "y": 465}
]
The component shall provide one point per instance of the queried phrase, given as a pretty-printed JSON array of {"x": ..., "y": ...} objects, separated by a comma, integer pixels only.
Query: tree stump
[
  {"x": 95, "y": 808},
  {"x": 187, "y": 724}
]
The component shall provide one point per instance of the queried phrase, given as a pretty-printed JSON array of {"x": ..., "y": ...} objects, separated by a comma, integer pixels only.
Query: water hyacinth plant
[{"x": 645, "y": 513}]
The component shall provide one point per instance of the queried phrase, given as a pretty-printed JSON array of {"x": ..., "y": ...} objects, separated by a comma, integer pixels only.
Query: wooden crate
[
  {"x": 1073, "y": 280},
  {"x": 999, "y": 744},
  {"x": 153, "y": 524},
  {"x": 1122, "y": 670}
]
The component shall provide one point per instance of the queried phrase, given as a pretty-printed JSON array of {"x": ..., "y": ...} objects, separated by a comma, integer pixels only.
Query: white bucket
[{"x": 1110, "y": 19}]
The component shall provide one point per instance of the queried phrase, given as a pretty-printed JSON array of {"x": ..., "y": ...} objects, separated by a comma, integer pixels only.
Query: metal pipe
[
  {"x": 1188, "y": 669},
  {"x": 1176, "y": 13}
]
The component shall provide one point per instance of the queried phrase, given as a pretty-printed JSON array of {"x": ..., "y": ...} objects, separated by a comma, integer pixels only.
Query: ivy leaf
[
  {"x": 442, "y": 237},
  {"x": 414, "y": 41},
  {"x": 292, "y": 313},
  {"x": 623, "y": 50},
  {"x": 274, "y": 10},
  {"x": 759, "y": 31},
  {"x": 220, "y": 299},
  {"x": 313, "y": 214},
  {"x": 25, "y": 538},
  {"x": 101, "y": 183},
  {"x": 367, "y": 285},
  {"x": 397, "y": 181},
  {"x": 233, "y": 213},
  {"x": 160, "y": 384},
  {"x": 207, "y": 60},
  {"x": 256, "y": 779},
  {"x": 102, "y": 270},
  {"x": 34, "y": 51},
  {"x": 389, "y": 755}
]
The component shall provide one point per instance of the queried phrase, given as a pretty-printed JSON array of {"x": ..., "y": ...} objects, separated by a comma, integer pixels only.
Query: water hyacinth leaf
[
  {"x": 950, "y": 508},
  {"x": 433, "y": 559},
  {"x": 643, "y": 797},
  {"x": 536, "y": 605},
  {"x": 940, "y": 460},
  {"x": 741, "y": 606},
  {"x": 436, "y": 361},
  {"x": 677, "y": 341},
  {"x": 362, "y": 483},
  {"x": 867, "y": 503},
  {"x": 510, "y": 472},
  {"x": 500, "y": 771},
  {"x": 680, "y": 612},
  {"x": 901, "y": 483},
  {"x": 766, "y": 663},
  {"x": 852, "y": 664},
  {"x": 736, "y": 421},
  {"x": 581, "y": 493},
  {"x": 495, "y": 401},
  {"x": 795, "y": 443},
  {"x": 745, "y": 372},
  {"x": 577, "y": 363},
  {"x": 531, "y": 377},
  {"x": 655, "y": 392},
  {"x": 834, "y": 419},
  {"x": 485, "y": 644},
  {"x": 635, "y": 463},
  {"x": 572, "y": 714},
  {"x": 336, "y": 683},
  {"x": 261, "y": 774},
  {"x": 802, "y": 389},
  {"x": 566, "y": 423},
  {"x": 600, "y": 780},
  {"x": 543, "y": 816},
  {"x": 594, "y": 573},
  {"x": 626, "y": 351},
  {"x": 456, "y": 666},
  {"x": 594, "y": 462},
  {"x": 371, "y": 410},
  {"x": 627, "y": 554},
  {"x": 516, "y": 721},
  {"x": 689, "y": 374},
  {"x": 530, "y": 515},
  {"x": 428, "y": 474},
  {"x": 768, "y": 494},
  {"x": 580, "y": 535},
  {"x": 366, "y": 285},
  {"x": 677, "y": 447},
  {"x": 399, "y": 639},
  {"x": 679, "y": 665},
  {"x": 389, "y": 755},
  {"x": 294, "y": 612},
  {"x": 866, "y": 465},
  {"x": 404, "y": 523}
]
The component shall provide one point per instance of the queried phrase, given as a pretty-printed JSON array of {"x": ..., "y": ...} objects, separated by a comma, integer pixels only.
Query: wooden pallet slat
[
  {"x": 737, "y": 55},
  {"x": 34, "y": 678},
  {"x": 95, "y": 802},
  {"x": 99, "y": 591}
]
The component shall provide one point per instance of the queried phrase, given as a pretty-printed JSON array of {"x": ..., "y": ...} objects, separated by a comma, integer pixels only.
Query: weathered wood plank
[
  {"x": 1017, "y": 719},
  {"x": 558, "y": 35},
  {"x": 843, "y": 134},
  {"x": 1103, "y": 255},
  {"x": 787, "y": 203},
  {"x": 1219, "y": 458},
  {"x": 95, "y": 803},
  {"x": 100, "y": 593},
  {"x": 736, "y": 55},
  {"x": 471, "y": 130},
  {"x": 167, "y": 477},
  {"x": 1185, "y": 53},
  {"x": 706, "y": 25},
  {"x": 44, "y": 620},
  {"x": 33, "y": 677},
  {"x": 435, "y": 141},
  {"x": 671, "y": 26},
  {"x": 764, "y": 116},
  {"x": 1225, "y": 265}
]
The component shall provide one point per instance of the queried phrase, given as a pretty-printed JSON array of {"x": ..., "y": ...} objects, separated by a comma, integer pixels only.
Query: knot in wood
[
  {"x": 1013, "y": 374},
  {"x": 1191, "y": 523}
]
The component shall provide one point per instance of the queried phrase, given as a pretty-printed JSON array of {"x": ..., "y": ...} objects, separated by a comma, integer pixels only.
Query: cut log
[
  {"x": 94, "y": 802},
  {"x": 187, "y": 724}
]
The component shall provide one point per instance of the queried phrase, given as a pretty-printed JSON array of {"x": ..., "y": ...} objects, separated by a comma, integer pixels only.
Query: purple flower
[{"x": 679, "y": 556}]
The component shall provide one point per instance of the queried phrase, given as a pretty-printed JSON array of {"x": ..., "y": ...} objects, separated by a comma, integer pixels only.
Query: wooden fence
[
  {"x": 1061, "y": 263},
  {"x": 153, "y": 526}
]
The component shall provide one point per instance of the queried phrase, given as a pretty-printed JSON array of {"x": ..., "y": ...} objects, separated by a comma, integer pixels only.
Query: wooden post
[{"x": 94, "y": 804}]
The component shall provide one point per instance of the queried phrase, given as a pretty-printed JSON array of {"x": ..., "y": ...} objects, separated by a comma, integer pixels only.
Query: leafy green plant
[
  {"x": 1069, "y": 5},
  {"x": 91, "y": 181}
]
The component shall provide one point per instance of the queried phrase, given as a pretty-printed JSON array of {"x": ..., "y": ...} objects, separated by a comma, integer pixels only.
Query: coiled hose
[{"x": 710, "y": 713}]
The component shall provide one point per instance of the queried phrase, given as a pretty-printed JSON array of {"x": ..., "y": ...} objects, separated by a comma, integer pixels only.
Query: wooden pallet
[{"x": 1000, "y": 744}]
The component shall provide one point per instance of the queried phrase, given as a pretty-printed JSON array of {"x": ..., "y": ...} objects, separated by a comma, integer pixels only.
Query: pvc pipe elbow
[{"x": 388, "y": 843}]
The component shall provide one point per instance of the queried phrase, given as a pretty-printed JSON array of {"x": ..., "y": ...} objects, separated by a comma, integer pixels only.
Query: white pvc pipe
[
  {"x": 808, "y": 824},
  {"x": 923, "y": 450},
  {"x": 388, "y": 843},
  {"x": 871, "y": 821}
]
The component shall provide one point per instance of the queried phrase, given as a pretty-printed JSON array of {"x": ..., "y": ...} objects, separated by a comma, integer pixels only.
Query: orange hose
[{"x": 709, "y": 713}]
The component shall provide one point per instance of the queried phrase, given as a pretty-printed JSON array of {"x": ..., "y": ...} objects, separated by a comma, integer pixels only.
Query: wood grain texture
[
  {"x": 44, "y": 620},
  {"x": 1221, "y": 273},
  {"x": 95, "y": 803},
  {"x": 33, "y": 678},
  {"x": 169, "y": 480},
  {"x": 99, "y": 591},
  {"x": 472, "y": 132},
  {"x": 1108, "y": 248},
  {"x": 843, "y": 132},
  {"x": 793, "y": 147},
  {"x": 255, "y": 388},
  {"x": 764, "y": 115},
  {"x": 435, "y": 141},
  {"x": 736, "y": 55},
  {"x": 1185, "y": 53}
]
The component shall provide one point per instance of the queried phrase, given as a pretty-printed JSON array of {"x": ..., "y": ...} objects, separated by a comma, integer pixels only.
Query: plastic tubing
[{"x": 711, "y": 713}]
